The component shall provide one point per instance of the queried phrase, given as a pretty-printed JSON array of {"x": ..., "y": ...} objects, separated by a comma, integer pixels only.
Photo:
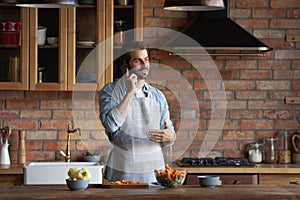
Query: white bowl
[{"x": 52, "y": 40}]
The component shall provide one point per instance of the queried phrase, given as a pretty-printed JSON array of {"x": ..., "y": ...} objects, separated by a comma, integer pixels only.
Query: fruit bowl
[
  {"x": 78, "y": 185},
  {"x": 170, "y": 178}
]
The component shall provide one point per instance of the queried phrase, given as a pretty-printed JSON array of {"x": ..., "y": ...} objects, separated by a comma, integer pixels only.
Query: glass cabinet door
[
  {"x": 123, "y": 19},
  {"x": 86, "y": 70},
  {"x": 14, "y": 45},
  {"x": 48, "y": 49}
]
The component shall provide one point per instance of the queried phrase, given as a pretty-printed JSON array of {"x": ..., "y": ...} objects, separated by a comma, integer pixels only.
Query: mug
[{"x": 42, "y": 35}]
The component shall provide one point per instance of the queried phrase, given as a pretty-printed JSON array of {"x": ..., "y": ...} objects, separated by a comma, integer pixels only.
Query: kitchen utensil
[
  {"x": 21, "y": 148},
  {"x": 6, "y": 132},
  {"x": 296, "y": 142}
]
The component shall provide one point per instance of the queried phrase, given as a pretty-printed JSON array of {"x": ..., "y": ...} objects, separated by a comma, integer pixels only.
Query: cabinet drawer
[
  {"x": 227, "y": 179},
  {"x": 279, "y": 179}
]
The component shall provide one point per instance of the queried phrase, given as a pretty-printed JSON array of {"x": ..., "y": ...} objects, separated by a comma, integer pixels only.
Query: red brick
[
  {"x": 240, "y": 13},
  {"x": 266, "y": 33},
  {"x": 251, "y": 95},
  {"x": 41, "y": 135},
  {"x": 57, "y": 145},
  {"x": 152, "y": 22},
  {"x": 251, "y": 3},
  {"x": 256, "y": 124},
  {"x": 53, "y": 124},
  {"x": 262, "y": 105},
  {"x": 207, "y": 85},
  {"x": 278, "y": 114},
  {"x": 278, "y": 44},
  {"x": 284, "y": 3},
  {"x": 236, "y": 104},
  {"x": 9, "y": 114},
  {"x": 274, "y": 64},
  {"x": 286, "y": 74},
  {"x": 268, "y": 13},
  {"x": 39, "y": 155},
  {"x": 35, "y": 114},
  {"x": 238, "y": 64},
  {"x": 255, "y": 74},
  {"x": 286, "y": 124},
  {"x": 148, "y": 12},
  {"x": 295, "y": 64},
  {"x": 238, "y": 135},
  {"x": 21, "y": 124},
  {"x": 160, "y": 12},
  {"x": 67, "y": 114},
  {"x": 56, "y": 104},
  {"x": 296, "y": 85},
  {"x": 293, "y": 13},
  {"x": 273, "y": 85},
  {"x": 282, "y": 94},
  {"x": 287, "y": 54},
  {"x": 21, "y": 104},
  {"x": 40, "y": 95},
  {"x": 238, "y": 85},
  {"x": 244, "y": 114},
  {"x": 284, "y": 23},
  {"x": 11, "y": 94}
]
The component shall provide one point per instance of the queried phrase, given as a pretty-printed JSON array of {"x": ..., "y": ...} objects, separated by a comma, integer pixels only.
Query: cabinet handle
[
  {"x": 236, "y": 182},
  {"x": 295, "y": 182}
]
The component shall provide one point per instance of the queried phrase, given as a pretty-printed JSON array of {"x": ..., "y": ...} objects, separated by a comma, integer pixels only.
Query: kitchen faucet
[{"x": 70, "y": 130}]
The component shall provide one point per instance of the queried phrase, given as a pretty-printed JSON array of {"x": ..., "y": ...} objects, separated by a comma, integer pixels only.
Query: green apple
[
  {"x": 73, "y": 172},
  {"x": 83, "y": 174}
]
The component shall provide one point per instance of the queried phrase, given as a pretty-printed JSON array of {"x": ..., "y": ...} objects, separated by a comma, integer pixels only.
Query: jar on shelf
[
  {"x": 255, "y": 152},
  {"x": 284, "y": 156},
  {"x": 270, "y": 150},
  {"x": 119, "y": 33}
]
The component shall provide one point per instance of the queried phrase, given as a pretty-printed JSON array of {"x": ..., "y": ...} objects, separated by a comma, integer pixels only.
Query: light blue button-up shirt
[{"x": 111, "y": 96}]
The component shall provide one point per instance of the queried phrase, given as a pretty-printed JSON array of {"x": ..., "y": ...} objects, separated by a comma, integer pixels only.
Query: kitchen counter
[
  {"x": 256, "y": 169},
  {"x": 235, "y": 192}
]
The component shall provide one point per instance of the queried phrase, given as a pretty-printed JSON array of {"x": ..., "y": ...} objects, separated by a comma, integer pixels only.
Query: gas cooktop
[{"x": 214, "y": 162}]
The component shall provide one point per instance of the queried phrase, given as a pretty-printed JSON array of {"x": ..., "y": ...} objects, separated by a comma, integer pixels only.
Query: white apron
[{"x": 134, "y": 157}]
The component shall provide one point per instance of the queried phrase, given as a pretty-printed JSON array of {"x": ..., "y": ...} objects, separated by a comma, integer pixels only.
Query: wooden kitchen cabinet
[
  {"x": 84, "y": 57},
  {"x": 279, "y": 179},
  {"x": 132, "y": 14},
  {"x": 10, "y": 49}
]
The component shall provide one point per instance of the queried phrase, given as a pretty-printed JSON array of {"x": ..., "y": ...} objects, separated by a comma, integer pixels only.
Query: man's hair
[{"x": 132, "y": 46}]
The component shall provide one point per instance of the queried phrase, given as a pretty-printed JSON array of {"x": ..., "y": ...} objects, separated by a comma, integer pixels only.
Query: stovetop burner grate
[{"x": 217, "y": 161}]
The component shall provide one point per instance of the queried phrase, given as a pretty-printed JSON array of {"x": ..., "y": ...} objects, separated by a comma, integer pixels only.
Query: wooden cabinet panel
[{"x": 279, "y": 179}]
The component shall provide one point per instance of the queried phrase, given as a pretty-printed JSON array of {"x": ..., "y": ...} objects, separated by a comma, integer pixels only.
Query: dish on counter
[{"x": 86, "y": 43}]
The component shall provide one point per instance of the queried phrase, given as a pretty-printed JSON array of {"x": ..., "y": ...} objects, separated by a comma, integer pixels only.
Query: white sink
[{"x": 54, "y": 173}]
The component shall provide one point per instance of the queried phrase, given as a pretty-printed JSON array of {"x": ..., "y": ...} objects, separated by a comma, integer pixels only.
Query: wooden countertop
[
  {"x": 194, "y": 192},
  {"x": 13, "y": 169}
]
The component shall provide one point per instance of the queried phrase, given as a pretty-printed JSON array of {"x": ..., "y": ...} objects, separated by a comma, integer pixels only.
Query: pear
[{"x": 72, "y": 173}]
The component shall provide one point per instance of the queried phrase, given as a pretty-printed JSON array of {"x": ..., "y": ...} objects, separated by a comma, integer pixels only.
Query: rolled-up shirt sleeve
[{"x": 110, "y": 116}]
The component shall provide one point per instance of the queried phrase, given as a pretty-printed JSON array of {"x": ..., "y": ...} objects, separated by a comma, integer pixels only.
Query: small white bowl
[{"x": 52, "y": 40}]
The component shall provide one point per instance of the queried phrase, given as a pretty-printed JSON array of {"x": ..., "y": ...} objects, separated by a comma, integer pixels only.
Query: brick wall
[{"x": 255, "y": 91}]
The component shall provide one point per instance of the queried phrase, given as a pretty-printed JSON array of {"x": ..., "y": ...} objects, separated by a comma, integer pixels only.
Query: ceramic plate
[{"x": 87, "y": 43}]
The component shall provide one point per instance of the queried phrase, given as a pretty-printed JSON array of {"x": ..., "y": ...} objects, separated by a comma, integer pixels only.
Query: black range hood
[{"x": 214, "y": 30}]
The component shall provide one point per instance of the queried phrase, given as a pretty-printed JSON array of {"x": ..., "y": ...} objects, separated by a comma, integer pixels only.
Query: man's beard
[{"x": 140, "y": 74}]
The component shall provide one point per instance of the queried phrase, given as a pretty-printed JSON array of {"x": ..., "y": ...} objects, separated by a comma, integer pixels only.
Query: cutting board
[{"x": 107, "y": 184}]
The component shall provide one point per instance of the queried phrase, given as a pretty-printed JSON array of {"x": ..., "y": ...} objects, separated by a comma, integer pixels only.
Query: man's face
[{"x": 139, "y": 63}]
